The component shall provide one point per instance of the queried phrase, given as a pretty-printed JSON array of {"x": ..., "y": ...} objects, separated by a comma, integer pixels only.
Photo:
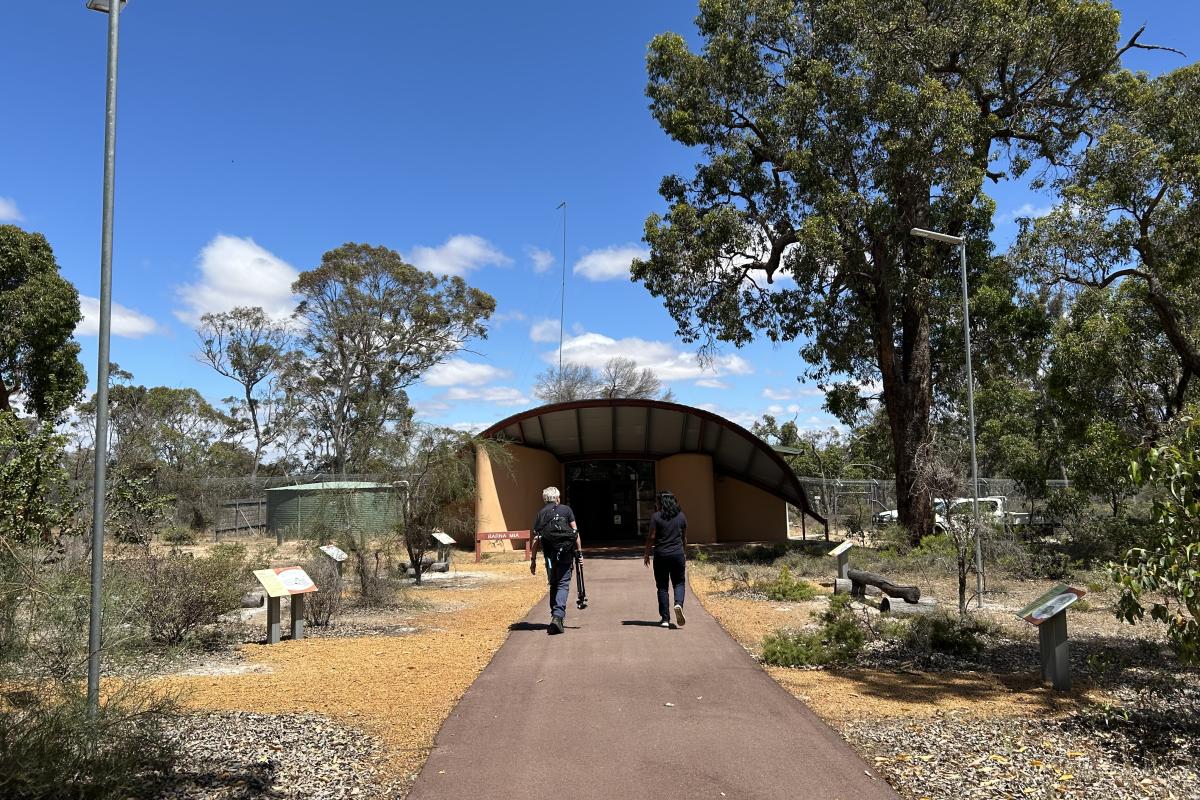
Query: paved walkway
[{"x": 585, "y": 715}]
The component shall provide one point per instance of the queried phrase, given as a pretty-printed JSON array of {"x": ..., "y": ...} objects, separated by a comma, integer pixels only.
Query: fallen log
[
  {"x": 861, "y": 579},
  {"x": 889, "y": 606},
  {"x": 846, "y": 586}
]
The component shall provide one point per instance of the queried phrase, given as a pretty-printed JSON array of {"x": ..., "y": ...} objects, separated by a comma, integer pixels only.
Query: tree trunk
[{"x": 962, "y": 584}]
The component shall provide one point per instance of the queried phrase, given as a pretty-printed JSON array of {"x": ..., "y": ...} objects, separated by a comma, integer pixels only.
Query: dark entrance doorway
[{"x": 612, "y": 500}]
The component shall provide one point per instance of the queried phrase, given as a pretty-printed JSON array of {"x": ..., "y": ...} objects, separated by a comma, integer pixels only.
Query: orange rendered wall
[
  {"x": 689, "y": 476},
  {"x": 508, "y": 496},
  {"x": 746, "y": 513}
]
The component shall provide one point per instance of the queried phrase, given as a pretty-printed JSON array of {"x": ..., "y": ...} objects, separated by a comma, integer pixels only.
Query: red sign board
[{"x": 494, "y": 536}]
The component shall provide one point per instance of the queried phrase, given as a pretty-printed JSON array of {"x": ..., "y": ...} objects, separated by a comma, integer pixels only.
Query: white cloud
[
  {"x": 792, "y": 394},
  {"x": 542, "y": 259},
  {"x": 1026, "y": 211},
  {"x": 669, "y": 363},
  {"x": 497, "y": 395},
  {"x": 790, "y": 408},
  {"x": 430, "y": 408},
  {"x": 544, "y": 331},
  {"x": 9, "y": 211},
  {"x": 712, "y": 383},
  {"x": 509, "y": 316},
  {"x": 458, "y": 255},
  {"x": 739, "y": 416},
  {"x": 609, "y": 263},
  {"x": 236, "y": 271},
  {"x": 124, "y": 321},
  {"x": 459, "y": 372},
  {"x": 470, "y": 427}
]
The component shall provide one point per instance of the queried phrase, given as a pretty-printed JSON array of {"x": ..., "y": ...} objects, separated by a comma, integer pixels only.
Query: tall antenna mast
[{"x": 562, "y": 300}]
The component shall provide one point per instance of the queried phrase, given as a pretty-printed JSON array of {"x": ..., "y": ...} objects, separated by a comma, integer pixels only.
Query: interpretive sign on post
[
  {"x": 444, "y": 543},
  {"x": 496, "y": 536},
  {"x": 334, "y": 552},
  {"x": 281, "y": 582},
  {"x": 1049, "y": 614},
  {"x": 842, "y": 554}
]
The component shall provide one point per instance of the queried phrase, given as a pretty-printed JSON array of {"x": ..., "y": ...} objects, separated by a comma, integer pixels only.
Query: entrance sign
[
  {"x": 1049, "y": 614},
  {"x": 280, "y": 582},
  {"x": 499, "y": 536},
  {"x": 334, "y": 552}
]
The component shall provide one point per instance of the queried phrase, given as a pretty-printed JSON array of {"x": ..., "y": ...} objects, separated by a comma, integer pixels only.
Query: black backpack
[{"x": 557, "y": 531}]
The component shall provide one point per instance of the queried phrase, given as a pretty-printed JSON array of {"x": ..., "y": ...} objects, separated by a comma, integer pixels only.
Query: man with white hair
[{"x": 554, "y": 532}]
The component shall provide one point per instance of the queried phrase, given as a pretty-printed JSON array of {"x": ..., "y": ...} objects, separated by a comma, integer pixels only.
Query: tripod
[{"x": 580, "y": 589}]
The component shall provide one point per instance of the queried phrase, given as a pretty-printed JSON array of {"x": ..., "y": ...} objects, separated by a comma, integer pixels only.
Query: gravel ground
[
  {"x": 239, "y": 756},
  {"x": 398, "y": 688},
  {"x": 945, "y": 728}
]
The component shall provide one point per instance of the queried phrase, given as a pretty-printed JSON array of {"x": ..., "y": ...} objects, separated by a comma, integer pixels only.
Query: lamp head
[
  {"x": 102, "y": 5},
  {"x": 937, "y": 237}
]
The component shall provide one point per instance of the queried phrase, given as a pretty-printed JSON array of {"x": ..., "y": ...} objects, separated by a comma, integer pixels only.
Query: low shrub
[
  {"x": 323, "y": 605},
  {"x": 180, "y": 594},
  {"x": 786, "y": 588},
  {"x": 943, "y": 633},
  {"x": 839, "y": 639},
  {"x": 49, "y": 749},
  {"x": 176, "y": 536},
  {"x": 794, "y": 649}
]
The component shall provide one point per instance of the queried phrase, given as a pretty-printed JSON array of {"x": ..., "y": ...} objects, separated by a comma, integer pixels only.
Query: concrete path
[{"x": 585, "y": 714}]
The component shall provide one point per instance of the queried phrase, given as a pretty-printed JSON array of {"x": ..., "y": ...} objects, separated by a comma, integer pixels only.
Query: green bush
[
  {"x": 179, "y": 536},
  {"x": 839, "y": 639},
  {"x": 180, "y": 594},
  {"x": 943, "y": 633},
  {"x": 49, "y": 750},
  {"x": 794, "y": 649},
  {"x": 786, "y": 588}
]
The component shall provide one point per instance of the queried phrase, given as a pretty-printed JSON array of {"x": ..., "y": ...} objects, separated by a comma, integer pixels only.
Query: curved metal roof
[{"x": 654, "y": 429}]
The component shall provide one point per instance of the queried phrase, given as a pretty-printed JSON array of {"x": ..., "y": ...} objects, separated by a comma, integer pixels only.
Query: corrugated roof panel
[
  {"x": 664, "y": 430},
  {"x": 596, "y": 424},
  {"x": 631, "y": 429},
  {"x": 562, "y": 435}
]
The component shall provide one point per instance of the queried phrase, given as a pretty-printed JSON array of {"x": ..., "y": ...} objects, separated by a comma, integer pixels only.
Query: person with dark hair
[
  {"x": 555, "y": 534},
  {"x": 667, "y": 539}
]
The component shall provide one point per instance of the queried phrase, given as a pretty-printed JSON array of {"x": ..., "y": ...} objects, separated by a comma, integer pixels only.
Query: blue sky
[{"x": 253, "y": 137}]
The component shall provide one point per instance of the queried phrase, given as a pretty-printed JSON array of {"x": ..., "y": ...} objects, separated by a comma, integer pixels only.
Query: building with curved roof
[{"x": 610, "y": 456}]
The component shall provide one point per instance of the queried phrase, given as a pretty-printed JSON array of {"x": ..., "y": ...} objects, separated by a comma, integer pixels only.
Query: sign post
[
  {"x": 1049, "y": 614},
  {"x": 336, "y": 553},
  {"x": 842, "y": 553},
  {"x": 444, "y": 543},
  {"x": 282, "y": 582}
]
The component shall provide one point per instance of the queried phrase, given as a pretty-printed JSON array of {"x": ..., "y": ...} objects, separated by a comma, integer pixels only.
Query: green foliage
[
  {"x": 50, "y": 750},
  {"x": 1101, "y": 464},
  {"x": 787, "y": 588},
  {"x": 35, "y": 497},
  {"x": 1166, "y": 574},
  {"x": 135, "y": 509},
  {"x": 943, "y": 633},
  {"x": 839, "y": 639},
  {"x": 924, "y": 116},
  {"x": 39, "y": 358},
  {"x": 374, "y": 324},
  {"x": 180, "y": 594}
]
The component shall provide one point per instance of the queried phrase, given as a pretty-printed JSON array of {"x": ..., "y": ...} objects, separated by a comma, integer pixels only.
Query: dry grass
[{"x": 399, "y": 688}]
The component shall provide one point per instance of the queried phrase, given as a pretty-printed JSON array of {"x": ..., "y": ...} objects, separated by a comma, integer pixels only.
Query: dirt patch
[{"x": 398, "y": 688}]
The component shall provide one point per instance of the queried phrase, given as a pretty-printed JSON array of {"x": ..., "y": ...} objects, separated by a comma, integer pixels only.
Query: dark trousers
[
  {"x": 560, "y": 565},
  {"x": 669, "y": 567}
]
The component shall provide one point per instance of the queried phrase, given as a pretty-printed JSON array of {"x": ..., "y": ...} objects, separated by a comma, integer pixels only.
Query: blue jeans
[
  {"x": 669, "y": 567},
  {"x": 560, "y": 565}
]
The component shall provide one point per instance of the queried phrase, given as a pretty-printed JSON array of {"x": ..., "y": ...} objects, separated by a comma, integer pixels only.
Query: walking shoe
[
  {"x": 556, "y": 624},
  {"x": 679, "y": 618},
  {"x": 666, "y": 623}
]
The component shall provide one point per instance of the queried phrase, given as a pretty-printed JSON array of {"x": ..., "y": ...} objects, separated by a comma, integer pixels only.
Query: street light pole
[
  {"x": 113, "y": 9},
  {"x": 962, "y": 263}
]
